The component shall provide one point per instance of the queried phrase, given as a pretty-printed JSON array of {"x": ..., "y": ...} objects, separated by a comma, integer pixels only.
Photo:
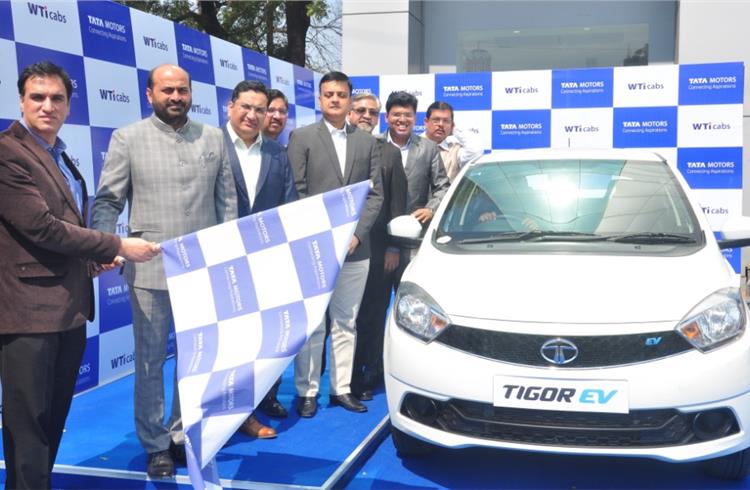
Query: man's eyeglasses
[
  {"x": 441, "y": 120},
  {"x": 246, "y": 108},
  {"x": 362, "y": 110},
  {"x": 280, "y": 112}
]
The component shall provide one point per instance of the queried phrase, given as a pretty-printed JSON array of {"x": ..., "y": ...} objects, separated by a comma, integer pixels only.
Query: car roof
[{"x": 570, "y": 154}]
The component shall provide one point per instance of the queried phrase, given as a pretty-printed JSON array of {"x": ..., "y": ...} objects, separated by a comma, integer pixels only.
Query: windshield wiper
[
  {"x": 537, "y": 236},
  {"x": 652, "y": 238}
]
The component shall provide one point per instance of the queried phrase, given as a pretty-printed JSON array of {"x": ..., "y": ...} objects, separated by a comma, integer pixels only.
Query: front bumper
[{"x": 665, "y": 396}]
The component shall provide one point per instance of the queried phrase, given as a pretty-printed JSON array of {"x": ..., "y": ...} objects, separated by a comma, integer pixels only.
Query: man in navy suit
[{"x": 262, "y": 176}]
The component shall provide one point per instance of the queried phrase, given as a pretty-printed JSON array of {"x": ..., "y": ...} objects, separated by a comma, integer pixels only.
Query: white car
[{"x": 572, "y": 301}]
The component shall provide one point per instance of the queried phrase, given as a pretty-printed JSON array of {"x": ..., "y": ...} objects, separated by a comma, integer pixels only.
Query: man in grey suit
[
  {"x": 426, "y": 179},
  {"x": 174, "y": 172},
  {"x": 263, "y": 180},
  {"x": 325, "y": 156}
]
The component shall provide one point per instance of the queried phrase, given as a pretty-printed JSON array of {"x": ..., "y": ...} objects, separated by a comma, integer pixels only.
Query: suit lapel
[
  {"x": 327, "y": 140},
  {"x": 83, "y": 212},
  {"x": 350, "y": 147},
  {"x": 49, "y": 165},
  {"x": 413, "y": 155},
  {"x": 265, "y": 167},
  {"x": 239, "y": 177}
]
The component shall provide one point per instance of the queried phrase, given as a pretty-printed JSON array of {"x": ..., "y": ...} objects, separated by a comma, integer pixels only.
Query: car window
[{"x": 606, "y": 198}]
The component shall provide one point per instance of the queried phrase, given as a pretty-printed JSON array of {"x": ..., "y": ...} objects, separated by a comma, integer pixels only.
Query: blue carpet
[{"x": 100, "y": 442}]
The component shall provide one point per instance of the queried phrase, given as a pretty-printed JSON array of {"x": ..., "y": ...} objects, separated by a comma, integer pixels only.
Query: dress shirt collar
[
  {"x": 333, "y": 130},
  {"x": 390, "y": 140},
  {"x": 239, "y": 141},
  {"x": 57, "y": 148}
]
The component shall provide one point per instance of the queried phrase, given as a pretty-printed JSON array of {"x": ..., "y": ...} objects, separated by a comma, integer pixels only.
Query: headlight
[
  {"x": 418, "y": 313},
  {"x": 718, "y": 318}
]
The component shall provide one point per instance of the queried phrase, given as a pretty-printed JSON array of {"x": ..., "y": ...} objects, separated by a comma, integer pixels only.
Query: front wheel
[
  {"x": 735, "y": 466},
  {"x": 407, "y": 445}
]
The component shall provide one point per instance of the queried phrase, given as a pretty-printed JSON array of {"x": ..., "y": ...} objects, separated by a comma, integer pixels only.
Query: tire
[
  {"x": 734, "y": 466},
  {"x": 407, "y": 445}
]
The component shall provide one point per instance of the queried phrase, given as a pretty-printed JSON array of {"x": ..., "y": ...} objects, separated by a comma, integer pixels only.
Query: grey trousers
[
  {"x": 343, "y": 309},
  {"x": 152, "y": 314}
]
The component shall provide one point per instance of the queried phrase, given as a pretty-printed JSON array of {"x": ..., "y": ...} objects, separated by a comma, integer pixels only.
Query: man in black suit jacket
[
  {"x": 325, "y": 156},
  {"x": 262, "y": 177},
  {"x": 368, "y": 357},
  {"x": 46, "y": 266}
]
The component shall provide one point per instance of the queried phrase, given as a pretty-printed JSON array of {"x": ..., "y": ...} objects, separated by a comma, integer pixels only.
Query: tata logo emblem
[{"x": 559, "y": 351}]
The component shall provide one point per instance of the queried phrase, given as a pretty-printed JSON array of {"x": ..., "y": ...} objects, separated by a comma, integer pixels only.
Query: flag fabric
[{"x": 245, "y": 296}]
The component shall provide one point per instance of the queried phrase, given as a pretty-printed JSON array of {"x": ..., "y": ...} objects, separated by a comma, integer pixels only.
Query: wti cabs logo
[
  {"x": 152, "y": 42},
  {"x": 114, "y": 96},
  {"x": 645, "y": 86},
  {"x": 228, "y": 64},
  {"x": 714, "y": 210},
  {"x": 521, "y": 90},
  {"x": 711, "y": 126},
  {"x": 580, "y": 128},
  {"x": 200, "y": 109},
  {"x": 44, "y": 12}
]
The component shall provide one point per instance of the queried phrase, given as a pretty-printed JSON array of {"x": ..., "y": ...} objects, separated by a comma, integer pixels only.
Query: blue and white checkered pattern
[
  {"x": 690, "y": 114},
  {"x": 108, "y": 49},
  {"x": 246, "y": 295}
]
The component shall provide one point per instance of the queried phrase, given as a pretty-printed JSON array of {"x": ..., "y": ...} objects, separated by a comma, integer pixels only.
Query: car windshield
[{"x": 608, "y": 201}]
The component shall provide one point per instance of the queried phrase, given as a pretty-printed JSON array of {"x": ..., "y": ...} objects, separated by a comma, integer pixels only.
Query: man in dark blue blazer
[{"x": 263, "y": 179}]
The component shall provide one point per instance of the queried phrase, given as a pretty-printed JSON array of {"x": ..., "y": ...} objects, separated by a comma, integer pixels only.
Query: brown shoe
[{"x": 253, "y": 428}]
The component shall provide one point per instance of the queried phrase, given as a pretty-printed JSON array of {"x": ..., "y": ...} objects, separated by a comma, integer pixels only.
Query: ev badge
[{"x": 559, "y": 351}]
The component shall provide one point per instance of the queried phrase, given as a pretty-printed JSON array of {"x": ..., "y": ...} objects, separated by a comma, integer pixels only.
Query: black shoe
[
  {"x": 177, "y": 451},
  {"x": 348, "y": 402},
  {"x": 307, "y": 406},
  {"x": 160, "y": 465},
  {"x": 273, "y": 408},
  {"x": 365, "y": 395}
]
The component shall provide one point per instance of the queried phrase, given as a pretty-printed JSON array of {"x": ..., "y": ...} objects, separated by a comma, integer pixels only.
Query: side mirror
[
  {"x": 735, "y": 233},
  {"x": 406, "y": 230}
]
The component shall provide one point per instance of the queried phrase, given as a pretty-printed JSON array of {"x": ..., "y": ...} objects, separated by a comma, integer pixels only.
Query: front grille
[
  {"x": 593, "y": 351},
  {"x": 639, "y": 428}
]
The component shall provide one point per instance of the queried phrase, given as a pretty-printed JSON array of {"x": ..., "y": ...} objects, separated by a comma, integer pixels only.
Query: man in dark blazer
[
  {"x": 325, "y": 156},
  {"x": 426, "y": 179},
  {"x": 368, "y": 356},
  {"x": 263, "y": 179},
  {"x": 47, "y": 261}
]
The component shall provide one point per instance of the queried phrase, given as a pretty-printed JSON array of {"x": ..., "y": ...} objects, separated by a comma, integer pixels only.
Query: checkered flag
[{"x": 246, "y": 295}]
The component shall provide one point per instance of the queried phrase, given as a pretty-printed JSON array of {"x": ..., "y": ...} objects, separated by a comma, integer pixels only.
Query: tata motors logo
[
  {"x": 114, "y": 96},
  {"x": 44, "y": 12},
  {"x": 645, "y": 86},
  {"x": 228, "y": 64},
  {"x": 153, "y": 42},
  {"x": 711, "y": 126},
  {"x": 256, "y": 69},
  {"x": 582, "y": 87},
  {"x": 647, "y": 126},
  {"x": 712, "y": 83},
  {"x": 108, "y": 24},
  {"x": 194, "y": 53},
  {"x": 710, "y": 165}
]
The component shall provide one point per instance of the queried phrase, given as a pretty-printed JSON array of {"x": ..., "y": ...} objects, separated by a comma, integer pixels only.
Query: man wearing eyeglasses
[
  {"x": 263, "y": 179},
  {"x": 457, "y": 147},
  {"x": 277, "y": 115},
  {"x": 426, "y": 180},
  {"x": 368, "y": 354}
]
